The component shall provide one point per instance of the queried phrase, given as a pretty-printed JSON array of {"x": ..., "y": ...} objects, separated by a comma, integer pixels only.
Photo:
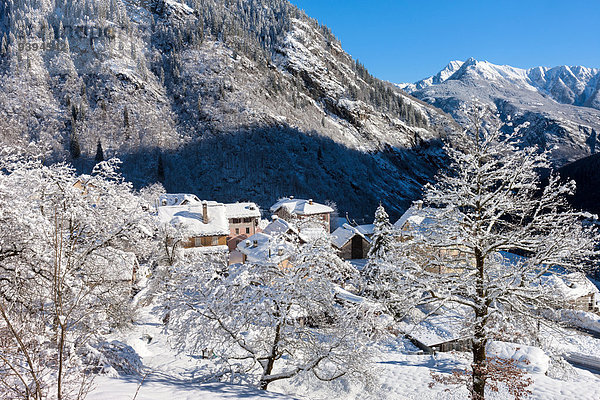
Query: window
[
  {"x": 247, "y": 220},
  {"x": 247, "y": 230},
  {"x": 197, "y": 242},
  {"x": 215, "y": 241},
  {"x": 236, "y": 220},
  {"x": 237, "y": 231}
]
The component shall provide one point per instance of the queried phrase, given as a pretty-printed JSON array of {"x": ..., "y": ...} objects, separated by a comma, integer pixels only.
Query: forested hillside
[{"x": 232, "y": 97}]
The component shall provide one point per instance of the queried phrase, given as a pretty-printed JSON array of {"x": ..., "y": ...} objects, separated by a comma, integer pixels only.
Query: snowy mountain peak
[
  {"x": 440, "y": 77},
  {"x": 554, "y": 108},
  {"x": 448, "y": 71},
  {"x": 576, "y": 85},
  {"x": 470, "y": 61},
  {"x": 474, "y": 70}
]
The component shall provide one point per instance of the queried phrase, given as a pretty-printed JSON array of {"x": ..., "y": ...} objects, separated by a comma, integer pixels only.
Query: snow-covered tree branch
[
  {"x": 489, "y": 204},
  {"x": 265, "y": 323},
  {"x": 70, "y": 247}
]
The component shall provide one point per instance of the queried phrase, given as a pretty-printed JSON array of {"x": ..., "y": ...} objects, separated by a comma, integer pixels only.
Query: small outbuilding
[{"x": 352, "y": 242}]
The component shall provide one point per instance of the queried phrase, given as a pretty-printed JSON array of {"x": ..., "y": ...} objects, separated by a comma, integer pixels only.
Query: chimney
[
  {"x": 205, "y": 212},
  {"x": 280, "y": 251},
  {"x": 248, "y": 243},
  {"x": 291, "y": 197},
  {"x": 255, "y": 243},
  {"x": 274, "y": 217},
  {"x": 269, "y": 252},
  {"x": 418, "y": 204},
  {"x": 310, "y": 201}
]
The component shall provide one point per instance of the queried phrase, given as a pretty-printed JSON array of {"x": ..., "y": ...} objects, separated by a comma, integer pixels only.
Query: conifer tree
[
  {"x": 74, "y": 147},
  {"x": 380, "y": 276},
  {"x": 382, "y": 240},
  {"x": 160, "y": 170},
  {"x": 99, "y": 152}
]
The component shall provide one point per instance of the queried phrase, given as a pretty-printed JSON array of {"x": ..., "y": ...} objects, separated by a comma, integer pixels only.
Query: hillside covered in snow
[{"x": 236, "y": 98}]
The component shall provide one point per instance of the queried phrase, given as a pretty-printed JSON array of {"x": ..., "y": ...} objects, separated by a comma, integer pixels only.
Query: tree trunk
[
  {"x": 268, "y": 368},
  {"x": 61, "y": 352},
  {"x": 479, "y": 365},
  {"x": 263, "y": 385},
  {"x": 479, "y": 368}
]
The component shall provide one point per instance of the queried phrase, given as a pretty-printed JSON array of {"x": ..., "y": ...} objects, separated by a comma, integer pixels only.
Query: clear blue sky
[{"x": 404, "y": 41}]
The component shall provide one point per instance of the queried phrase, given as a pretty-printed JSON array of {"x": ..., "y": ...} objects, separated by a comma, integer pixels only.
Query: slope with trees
[{"x": 178, "y": 78}]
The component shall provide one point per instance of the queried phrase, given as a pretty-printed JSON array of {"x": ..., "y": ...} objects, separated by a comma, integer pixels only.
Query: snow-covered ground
[
  {"x": 398, "y": 374},
  {"x": 117, "y": 389},
  {"x": 167, "y": 375}
]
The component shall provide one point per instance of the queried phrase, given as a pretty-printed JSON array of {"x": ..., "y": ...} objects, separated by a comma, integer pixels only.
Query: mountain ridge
[
  {"x": 557, "y": 108},
  {"x": 575, "y": 85}
]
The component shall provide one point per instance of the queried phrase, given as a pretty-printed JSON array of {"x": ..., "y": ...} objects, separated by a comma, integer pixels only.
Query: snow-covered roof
[
  {"x": 418, "y": 216},
  {"x": 344, "y": 233},
  {"x": 178, "y": 199},
  {"x": 344, "y": 295},
  {"x": 300, "y": 207},
  {"x": 242, "y": 210},
  {"x": 278, "y": 226},
  {"x": 312, "y": 233},
  {"x": 264, "y": 249},
  {"x": 208, "y": 249},
  {"x": 367, "y": 229},
  {"x": 571, "y": 286},
  {"x": 190, "y": 218},
  {"x": 82, "y": 179},
  {"x": 440, "y": 223}
]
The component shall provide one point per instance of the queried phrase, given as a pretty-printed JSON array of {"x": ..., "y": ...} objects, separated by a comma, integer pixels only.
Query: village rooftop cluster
[{"x": 237, "y": 232}]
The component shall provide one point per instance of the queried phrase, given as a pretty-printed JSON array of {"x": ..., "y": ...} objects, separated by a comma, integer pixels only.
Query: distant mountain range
[{"x": 556, "y": 108}]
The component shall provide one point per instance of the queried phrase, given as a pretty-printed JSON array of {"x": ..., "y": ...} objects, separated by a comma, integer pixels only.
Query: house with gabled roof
[
  {"x": 574, "y": 288},
  {"x": 280, "y": 226},
  {"x": 265, "y": 249},
  {"x": 204, "y": 225},
  {"x": 290, "y": 207},
  {"x": 418, "y": 224}
]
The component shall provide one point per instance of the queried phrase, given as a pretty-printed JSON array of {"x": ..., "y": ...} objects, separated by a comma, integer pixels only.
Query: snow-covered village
[{"x": 213, "y": 199}]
